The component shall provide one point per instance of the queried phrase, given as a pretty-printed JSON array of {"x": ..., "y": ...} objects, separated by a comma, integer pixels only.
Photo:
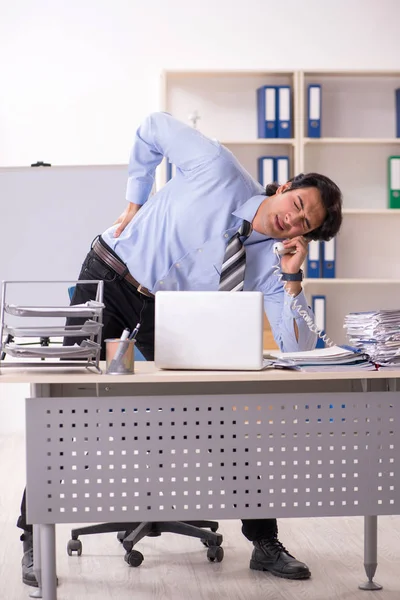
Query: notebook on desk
[{"x": 209, "y": 330}]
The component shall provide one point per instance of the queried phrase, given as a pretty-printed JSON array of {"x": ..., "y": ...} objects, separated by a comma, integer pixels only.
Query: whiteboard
[{"x": 49, "y": 217}]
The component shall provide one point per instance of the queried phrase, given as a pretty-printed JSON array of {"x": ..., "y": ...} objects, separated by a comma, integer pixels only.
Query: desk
[{"x": 165, "y": 445}]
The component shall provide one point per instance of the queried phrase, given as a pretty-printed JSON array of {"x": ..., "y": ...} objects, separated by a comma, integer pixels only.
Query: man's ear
[{"x": 283, "y": 188}]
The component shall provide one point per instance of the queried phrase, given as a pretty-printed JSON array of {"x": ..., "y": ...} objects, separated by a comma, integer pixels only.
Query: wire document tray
[
  {"x": 43, "y": 329},
  {"x": 88, "y": 328}
]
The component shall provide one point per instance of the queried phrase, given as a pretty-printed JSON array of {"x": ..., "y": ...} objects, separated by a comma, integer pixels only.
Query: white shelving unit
[
  {"x": 226, "y": 103},
  {"x": 358, "y": 129}
]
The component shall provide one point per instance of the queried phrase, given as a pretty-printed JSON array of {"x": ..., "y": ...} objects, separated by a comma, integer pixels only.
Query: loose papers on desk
[
  {"x": 328, "y": 359},
  {"x": 377, "y": 333}
]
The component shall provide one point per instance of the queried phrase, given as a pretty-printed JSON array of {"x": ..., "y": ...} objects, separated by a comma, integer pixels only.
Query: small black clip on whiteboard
[{"x": 40, "y": 164}]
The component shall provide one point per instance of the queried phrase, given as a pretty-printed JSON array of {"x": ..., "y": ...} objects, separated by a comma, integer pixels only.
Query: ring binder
[
  {"x": 329, "y": 258},
  {"x": 266, "y": 111},
  {"x": 284, "y": 117},
  {"x": 319, "y": 310},
  {"x": 314, "y": 111},
  {"x": 314, "y": 259}
]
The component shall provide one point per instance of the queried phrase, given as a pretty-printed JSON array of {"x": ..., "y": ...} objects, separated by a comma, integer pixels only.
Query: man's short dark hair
[{"x": 331, "y": 197}]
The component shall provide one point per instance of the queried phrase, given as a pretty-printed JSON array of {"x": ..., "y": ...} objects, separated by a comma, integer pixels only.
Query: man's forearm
[
  {"x": 294, "y": 331},
  {"x": 294, "y": 288}
]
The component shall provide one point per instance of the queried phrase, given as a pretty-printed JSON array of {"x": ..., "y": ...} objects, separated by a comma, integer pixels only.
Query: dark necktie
[{"x": 234, "y": 264}]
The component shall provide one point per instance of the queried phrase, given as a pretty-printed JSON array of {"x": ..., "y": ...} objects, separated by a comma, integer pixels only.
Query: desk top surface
[{"x": 146, "y": 372}]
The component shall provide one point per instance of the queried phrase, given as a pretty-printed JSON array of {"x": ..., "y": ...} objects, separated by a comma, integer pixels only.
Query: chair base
[{"x": 129, "y": 534}]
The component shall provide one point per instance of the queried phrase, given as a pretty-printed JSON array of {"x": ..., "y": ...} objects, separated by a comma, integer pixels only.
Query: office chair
[{"x": 129, "y": 534}]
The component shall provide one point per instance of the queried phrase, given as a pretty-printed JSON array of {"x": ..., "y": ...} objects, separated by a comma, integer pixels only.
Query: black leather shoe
[
  {"x": 270, "y": 555},
  {"x": 28, "y": 576}
]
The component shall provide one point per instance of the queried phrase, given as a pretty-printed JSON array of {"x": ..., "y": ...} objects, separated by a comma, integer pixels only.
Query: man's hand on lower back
[{"x": 125, "y": 218}]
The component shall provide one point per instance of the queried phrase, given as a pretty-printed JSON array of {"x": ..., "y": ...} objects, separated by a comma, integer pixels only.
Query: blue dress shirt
[{"x": 177, "y": 239}]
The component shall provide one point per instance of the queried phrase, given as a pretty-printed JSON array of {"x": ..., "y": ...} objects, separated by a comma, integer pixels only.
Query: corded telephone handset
[{"x": 279, "y": 250}]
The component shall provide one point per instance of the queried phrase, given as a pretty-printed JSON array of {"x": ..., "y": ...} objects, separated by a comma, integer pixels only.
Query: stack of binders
[
  {"x": 321, "y": 262},
  {"x": 274, "y": 111},
  {"x": 394, "y": 163},
  {"x": 321, "y": 259},
  {"x": 273, "y": 169}
]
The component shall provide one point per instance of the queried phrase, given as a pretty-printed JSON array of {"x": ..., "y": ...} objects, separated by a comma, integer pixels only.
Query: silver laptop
[{"x": 209, "y": 330}]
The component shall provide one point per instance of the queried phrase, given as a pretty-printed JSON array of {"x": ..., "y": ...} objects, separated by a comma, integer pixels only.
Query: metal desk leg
[
  {"x": 37, "y": 391},
  {"x": 48, "y": 559},
  {"x": 37, "y": 566},
  {"x": 370, "y": 553}
]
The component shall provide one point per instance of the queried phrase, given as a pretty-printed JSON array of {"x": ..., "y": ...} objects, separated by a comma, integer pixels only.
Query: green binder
[{"x": 394, "y": 181}]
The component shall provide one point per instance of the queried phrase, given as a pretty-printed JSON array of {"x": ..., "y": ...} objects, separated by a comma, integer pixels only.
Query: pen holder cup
[{"x": 120, "y": 357}]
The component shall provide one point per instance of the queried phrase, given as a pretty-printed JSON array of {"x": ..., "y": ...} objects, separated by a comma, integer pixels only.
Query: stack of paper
[
  {"x": 332, "y": 359},
  {"x": 377, "y": 333}
]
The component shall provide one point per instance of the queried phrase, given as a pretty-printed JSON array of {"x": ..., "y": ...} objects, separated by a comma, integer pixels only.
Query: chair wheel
[
  {"x": 215, "y": 553},
  {"x": 134, "y": 558},
  {"x": 74, "y": 546}
]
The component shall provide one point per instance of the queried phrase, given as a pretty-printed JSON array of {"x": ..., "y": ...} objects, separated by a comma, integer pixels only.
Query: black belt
[{"x": 118, "y": 266}]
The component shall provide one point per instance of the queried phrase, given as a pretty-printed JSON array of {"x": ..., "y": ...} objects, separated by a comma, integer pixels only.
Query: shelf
[
  {"x": 260, "y": 142},
  {"x": 340, "y": 141},
  {"x": 371, "y": 211},
  {"x": 228, "y": 73},
  {"x": 349, "y": 281},
  {"x": 350, "y": 73}
]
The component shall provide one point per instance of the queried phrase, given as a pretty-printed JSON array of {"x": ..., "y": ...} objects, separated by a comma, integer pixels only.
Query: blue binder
[
  {"x": 329, "y": 258},
  {"x": 284, "y": 111},
  {"x": 282, "y": 169},
  {"x": 266, "y": 111},
  {"x": 171, "y": 170},
  {"x": 319, "y": 310},
  {"x": 266, "y": 170},
  {"x": 314, "y": 259},
  {"x": 314, "y": 111},
  {"x": 398, "y": 113},
  {"x": 273, "y": 169}
]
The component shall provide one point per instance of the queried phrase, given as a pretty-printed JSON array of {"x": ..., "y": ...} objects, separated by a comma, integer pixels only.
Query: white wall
[
  {"x": 77, "y": 77},
  {"x": 12, "y": 407}
]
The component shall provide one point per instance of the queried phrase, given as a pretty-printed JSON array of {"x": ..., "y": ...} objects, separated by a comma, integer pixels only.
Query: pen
[
  {"x": 134, "y": 332},
  {"x": 120, "y": 350},
  {"x": 124, "y": 334}
]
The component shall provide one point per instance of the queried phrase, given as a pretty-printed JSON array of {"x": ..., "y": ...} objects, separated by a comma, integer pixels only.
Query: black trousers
[{"x": 125, "y": 307}]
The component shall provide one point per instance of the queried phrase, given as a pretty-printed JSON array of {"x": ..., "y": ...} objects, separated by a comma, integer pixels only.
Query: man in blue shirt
[{"x": 176, "y": 240}]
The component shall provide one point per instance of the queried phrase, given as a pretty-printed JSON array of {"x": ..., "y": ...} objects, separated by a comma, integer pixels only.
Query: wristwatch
[{"x": 293, "y": 276}]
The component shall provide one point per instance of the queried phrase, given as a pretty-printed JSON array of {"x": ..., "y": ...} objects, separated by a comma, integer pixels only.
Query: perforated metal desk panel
[{"x": 233, "y": 456}]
